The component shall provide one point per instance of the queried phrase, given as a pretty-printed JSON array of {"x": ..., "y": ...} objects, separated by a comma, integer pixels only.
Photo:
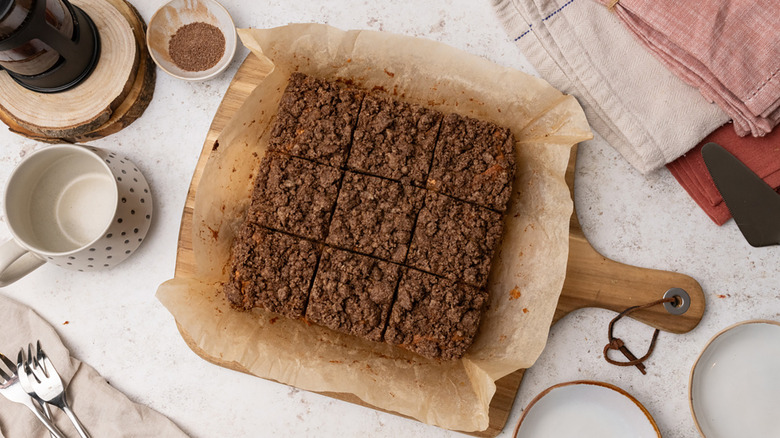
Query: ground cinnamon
[{"x": 197, "y": 46}]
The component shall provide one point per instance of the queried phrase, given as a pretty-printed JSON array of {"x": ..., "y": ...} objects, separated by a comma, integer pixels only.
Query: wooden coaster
[{"x": 113, "y": 96}]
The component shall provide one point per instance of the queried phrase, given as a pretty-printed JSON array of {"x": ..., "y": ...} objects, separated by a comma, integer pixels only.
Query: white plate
[
  {"x": 734, "y": 387},
  {"x": 585, "y": 409}
]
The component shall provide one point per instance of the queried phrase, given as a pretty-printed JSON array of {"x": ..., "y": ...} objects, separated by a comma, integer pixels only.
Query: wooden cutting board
[{"x": 591, "y": 279}]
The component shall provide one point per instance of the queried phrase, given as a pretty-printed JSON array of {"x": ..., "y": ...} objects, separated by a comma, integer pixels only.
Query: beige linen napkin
[
  {"x": 643, "y": 110},
  {"x": 104, "y": 411}
]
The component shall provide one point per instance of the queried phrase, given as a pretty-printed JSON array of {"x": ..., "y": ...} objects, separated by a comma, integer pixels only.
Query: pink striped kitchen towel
[
  {"x": 631, "y": 99},
  {"x": 728, "y": 49}
]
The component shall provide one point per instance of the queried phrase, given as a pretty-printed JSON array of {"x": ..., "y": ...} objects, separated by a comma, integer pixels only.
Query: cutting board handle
[{"x": 593, "y": 280}]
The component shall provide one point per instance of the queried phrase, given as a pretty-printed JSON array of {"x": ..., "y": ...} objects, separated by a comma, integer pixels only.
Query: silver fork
[
  {"x": 24, "y": 380},
  {"x": 12, "y": 390},
  {"x": 48, "y": 385}
]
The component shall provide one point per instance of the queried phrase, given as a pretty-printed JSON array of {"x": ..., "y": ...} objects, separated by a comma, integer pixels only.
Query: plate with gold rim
[
  {"x": 586, "y": 409},
  {"x": 734, "y": 386}
]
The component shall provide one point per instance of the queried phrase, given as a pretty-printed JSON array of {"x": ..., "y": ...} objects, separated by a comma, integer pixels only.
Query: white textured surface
[{"x": 116, "y": 325}]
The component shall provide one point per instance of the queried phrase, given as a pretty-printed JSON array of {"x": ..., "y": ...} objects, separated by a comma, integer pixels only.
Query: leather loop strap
[{"x": 618, "y": 344}]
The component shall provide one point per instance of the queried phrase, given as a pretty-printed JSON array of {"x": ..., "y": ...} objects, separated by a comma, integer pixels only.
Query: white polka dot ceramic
[{"x": 78, "y": 207}]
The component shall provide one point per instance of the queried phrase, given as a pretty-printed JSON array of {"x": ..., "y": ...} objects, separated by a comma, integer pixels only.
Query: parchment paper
[{"x": 528, "y": 271}]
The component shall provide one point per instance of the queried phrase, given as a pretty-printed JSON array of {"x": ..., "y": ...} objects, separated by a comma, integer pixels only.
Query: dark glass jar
[
  {"x": 47, "y": 45},
  {"x": 33, "y": 57}
]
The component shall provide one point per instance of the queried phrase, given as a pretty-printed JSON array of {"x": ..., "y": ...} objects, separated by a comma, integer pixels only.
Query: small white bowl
[
  {"x": 734, "y": 388},
  {"x": 177, "y": 13},
  {"x": 586, "y": 409}
]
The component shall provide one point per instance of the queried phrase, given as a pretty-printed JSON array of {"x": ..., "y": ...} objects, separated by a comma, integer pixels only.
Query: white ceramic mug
[{"x": 78, "y": 207}]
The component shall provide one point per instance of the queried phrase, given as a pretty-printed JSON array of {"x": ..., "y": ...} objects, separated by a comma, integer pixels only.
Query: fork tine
[
  {"x": 11, "y": 366},
  {"x": 51, "y": 371},
  {"x": 6, "y": 374},
  {"x": 29, "y": 364},
  {"x": 37, "y": 367},
  {"x": 34, "y": 367},
  {"x": 40, "y": 359}
]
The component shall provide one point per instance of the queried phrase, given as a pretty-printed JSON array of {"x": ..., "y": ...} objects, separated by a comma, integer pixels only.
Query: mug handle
[{"x": 16, "y": 262}]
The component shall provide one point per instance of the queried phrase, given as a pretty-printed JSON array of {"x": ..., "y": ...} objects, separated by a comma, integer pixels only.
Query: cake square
[
  {"x": 295, "y": 196},
  {"x": 315, "y": 120},
  {"x": 272, "y": 270},
  {"x": 375, "y": 216},
  {"x": 433, "y": 316},
  {"x": 455, "y": 239},
  {"x": 474, "y": 161},
  {"x": 394, "y": 139},
  {"x": 352, "y": 293}
]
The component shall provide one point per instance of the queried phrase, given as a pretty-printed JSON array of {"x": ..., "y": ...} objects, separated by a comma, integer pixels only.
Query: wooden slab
[
  {"x": 112, "y": 97},
  {"x": 591, "y": 279}
]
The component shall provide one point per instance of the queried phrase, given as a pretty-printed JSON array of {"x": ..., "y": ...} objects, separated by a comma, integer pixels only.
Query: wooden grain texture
[
  {"x": 141, "y": 89},
  {"x": 591, "y": 279},
  {"x": 107, "y": 101}
]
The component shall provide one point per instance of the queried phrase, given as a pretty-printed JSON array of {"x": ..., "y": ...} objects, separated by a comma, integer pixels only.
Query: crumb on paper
[
  {"x": 525, "y": 310},
  {"x": 515, "y": 294},
  {"x": 66, "y": 323}
]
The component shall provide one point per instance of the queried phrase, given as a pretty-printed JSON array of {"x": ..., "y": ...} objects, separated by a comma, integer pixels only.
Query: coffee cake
[
  {"x": 455, "y": 239},
  {"x": 271, "y": 270},
  {"x": 386, "y": 232},
  {"x": 394, "y": 139},
  {"x": 375, "y": 216},
  {"x": 316, "y": 119},
  {"x": 433, "y": 316},
  {"x": 294, "y": 195},
  {"x": 474, "y": 161},
  {"x": 353, "y": 293}
]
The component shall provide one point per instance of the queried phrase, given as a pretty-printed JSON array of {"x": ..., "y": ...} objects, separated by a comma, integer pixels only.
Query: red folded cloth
[
  {"x": 762, "y": 155},
  {"x": 728, "y": 49}
]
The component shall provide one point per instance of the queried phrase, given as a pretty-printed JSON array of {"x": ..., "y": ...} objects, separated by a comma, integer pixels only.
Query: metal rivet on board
[{"x": 682, "y": 304}]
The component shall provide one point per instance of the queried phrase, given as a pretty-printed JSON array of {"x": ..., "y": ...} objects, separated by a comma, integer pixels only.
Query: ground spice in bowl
[{"x": 197, "y": 46}]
